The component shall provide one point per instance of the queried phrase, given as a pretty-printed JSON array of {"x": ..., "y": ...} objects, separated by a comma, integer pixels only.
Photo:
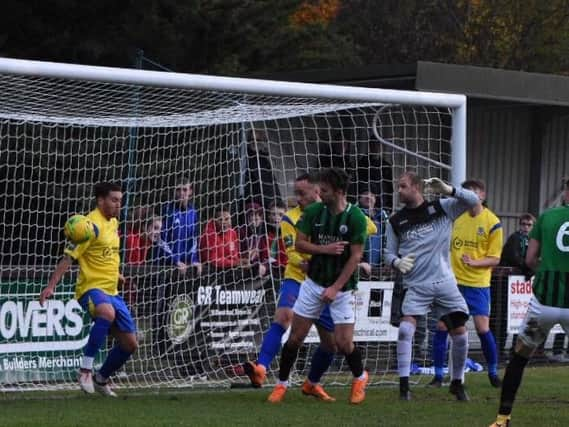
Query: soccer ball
[{"x": 79, "y": 229}]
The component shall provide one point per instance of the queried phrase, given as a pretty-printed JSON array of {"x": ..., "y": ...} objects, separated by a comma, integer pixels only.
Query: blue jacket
[
  {"x": 161, "y": 254},
  {"x": 181, "y": 233}
]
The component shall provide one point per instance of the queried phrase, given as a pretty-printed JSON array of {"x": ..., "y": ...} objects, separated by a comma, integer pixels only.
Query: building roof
[{"x": 475, "y": 82}]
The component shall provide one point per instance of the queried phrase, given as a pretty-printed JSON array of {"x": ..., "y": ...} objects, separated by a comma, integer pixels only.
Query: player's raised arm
[
  {"x": 56, "y": 276},
  {"x": 460, "y": 199}
]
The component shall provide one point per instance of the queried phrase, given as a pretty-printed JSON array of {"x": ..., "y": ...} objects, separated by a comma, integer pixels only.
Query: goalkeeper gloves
[
  {"x": 439, "y": 186},
  {"x": 405, "y": 264}
]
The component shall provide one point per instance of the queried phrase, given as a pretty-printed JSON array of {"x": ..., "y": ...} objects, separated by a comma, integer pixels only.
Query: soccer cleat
[
  {"x": 85, "y": 378},
  {"x": 256, "y": 373},
  {"x": 278, "y": 394},
  {"x": 495, "y": 381},
  {"x": 317, "y": 391},
  {"x": 457, "y": 388},
  {"x": 104, "y": 389},
  {"x": 501, "y": 421},
  {"x": 358, "y": 393},
  {"x": 436, "y": 382}
]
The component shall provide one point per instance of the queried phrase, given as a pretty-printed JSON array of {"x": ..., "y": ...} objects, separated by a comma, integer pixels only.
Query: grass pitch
[{"x": 543, "y": 400}]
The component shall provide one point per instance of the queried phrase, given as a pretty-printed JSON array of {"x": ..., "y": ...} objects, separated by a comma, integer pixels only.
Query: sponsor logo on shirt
[
  {"x": 459, "y": 243},
  {"x": 418, "y": 232}
]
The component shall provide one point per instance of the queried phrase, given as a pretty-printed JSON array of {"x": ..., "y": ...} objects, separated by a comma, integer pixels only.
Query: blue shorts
[
  {"x": 288, "y": 295},
  {"x": 477, "y": 299},
  {"x": 123, "y": 319}
]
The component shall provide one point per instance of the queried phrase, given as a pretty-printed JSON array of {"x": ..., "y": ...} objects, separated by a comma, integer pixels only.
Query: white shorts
[
  {"x": 309, "y": 303},
  {"x": 539, "y": 320}
]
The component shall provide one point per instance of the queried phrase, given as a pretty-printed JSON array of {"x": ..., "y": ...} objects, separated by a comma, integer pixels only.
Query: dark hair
[
  {"x": 337, "y": 178},
  {"x": 566, "y": 183},
  {"x": 526, "y": 217},
  {"x": 219, "y": 209},
  {"x": 277, "y": 203},
  {"x": 474, "y": 184},
  {"x": 182, "y": 180},
  {"x": 312, "y": 178},
  {"x": 102, "y": 189},
  {"x": 415, "y": 179}
]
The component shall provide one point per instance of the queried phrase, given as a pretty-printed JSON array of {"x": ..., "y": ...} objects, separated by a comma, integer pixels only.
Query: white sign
[
  {"x": 373, "y": 312},
  {"x": 519, "y": 296}
]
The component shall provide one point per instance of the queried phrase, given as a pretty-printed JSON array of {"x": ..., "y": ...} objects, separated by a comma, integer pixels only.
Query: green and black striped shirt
[
  {"x": 323, "y": 228},
  {"x": 551, "y": 282}
]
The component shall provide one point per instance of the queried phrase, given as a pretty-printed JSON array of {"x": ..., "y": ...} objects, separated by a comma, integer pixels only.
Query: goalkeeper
[
  {"x": 306, "y": 191},
  {"x": 418, "y": 242},
  {"x": 97, "y": 292}
]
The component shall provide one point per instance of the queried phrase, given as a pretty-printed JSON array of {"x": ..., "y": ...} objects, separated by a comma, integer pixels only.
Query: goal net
[{"x": 234, "y": 148}]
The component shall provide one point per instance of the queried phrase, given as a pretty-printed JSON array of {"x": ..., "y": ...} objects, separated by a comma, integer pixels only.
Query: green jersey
[
  {"x": 323, "y": 228},
  {"x": 551, "y": 282}
]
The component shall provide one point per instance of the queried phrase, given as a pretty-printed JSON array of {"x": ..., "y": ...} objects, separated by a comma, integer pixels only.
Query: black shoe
[
  {"x": 404, "y": 394},
  {"x": 436, "y": 382},
  {"x": 458, "y": 390},
  {"x": 495, "y": 381},
  {"x": 249, "y": 369}
]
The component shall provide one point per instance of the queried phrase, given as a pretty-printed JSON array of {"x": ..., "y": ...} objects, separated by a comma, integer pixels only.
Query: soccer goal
[{"x": 239, "y": 144}]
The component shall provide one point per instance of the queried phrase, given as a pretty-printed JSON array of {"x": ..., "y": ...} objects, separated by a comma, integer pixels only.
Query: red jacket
[
  {"x": 221, "y": 249},
  {"x": 136, "y": 248}
]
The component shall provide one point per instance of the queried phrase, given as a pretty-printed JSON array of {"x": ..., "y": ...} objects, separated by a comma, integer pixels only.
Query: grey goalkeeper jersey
[{"x": 425, "y": 231}]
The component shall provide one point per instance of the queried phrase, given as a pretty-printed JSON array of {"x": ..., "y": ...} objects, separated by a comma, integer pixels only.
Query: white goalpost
[{"x": 239, "y": 143}]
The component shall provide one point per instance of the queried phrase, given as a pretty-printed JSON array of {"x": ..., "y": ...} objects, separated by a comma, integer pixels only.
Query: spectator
[
  {"x": 514, "y": 255},
  {"x": 373, "y": 248},
  {"x": 277, "y": 255},
  {"x": 366, "y": 202},
  {"x": 374, "y": 174},
  {"x": 164, "y": 284},
  {"x": 219, "y": 244},
  {"x": 514, "y": 252},
  {"x": 136, "y": 244},
  {"x": 158, "y": 250},
  {"x": 181, "y": 227},
  {"x": 260, "y": 185},
  {"x": 253, "y": 239},
  {"x": 368, "y": 171}
]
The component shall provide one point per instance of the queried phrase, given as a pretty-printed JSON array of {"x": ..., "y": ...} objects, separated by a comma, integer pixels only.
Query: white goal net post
[{"x": 240, "y": 143}]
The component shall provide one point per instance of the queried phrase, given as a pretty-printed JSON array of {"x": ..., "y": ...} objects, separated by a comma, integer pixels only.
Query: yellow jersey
[
  {"x": 98, "y": 258},
  {"x": 479, "y": 237},
  {"x": 288, "y": 234}
]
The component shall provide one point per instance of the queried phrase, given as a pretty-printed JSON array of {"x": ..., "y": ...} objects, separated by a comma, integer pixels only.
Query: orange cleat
[
  {"x": 358, "y": 393},
  {"x": 278, "y": 394},
  {"x": 317, "y": 391}
]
